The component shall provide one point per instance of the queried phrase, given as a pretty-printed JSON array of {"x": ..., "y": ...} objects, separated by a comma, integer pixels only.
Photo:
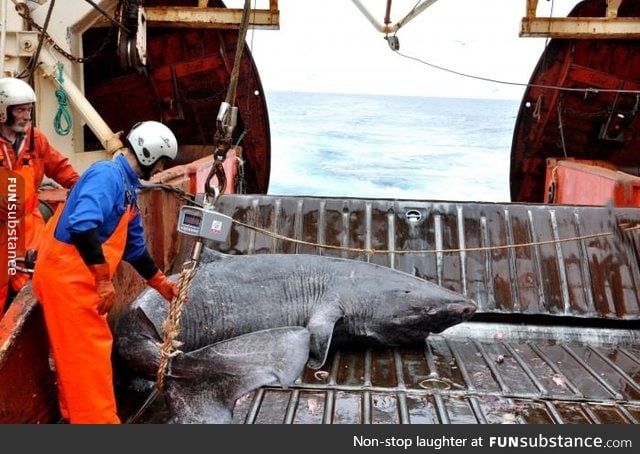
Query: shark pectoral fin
[
  {"x": 135, "y": 344},
  {"x": 204, "y": 384},
  {"x": 321, "y": 326},
  {"x": 146, "y": 326}
]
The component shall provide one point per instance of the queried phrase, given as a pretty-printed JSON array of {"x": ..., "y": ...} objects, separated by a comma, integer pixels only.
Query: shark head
[{"x": 405, "y": 311}]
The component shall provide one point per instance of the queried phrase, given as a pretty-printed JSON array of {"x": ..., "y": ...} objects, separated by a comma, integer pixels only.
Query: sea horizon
[{"x": 390, "y": 146}]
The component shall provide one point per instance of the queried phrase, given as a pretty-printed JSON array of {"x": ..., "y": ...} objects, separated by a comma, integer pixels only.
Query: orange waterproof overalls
[
  {"x": 35, "y": 159},
  {"x": 86, "y": 394}
]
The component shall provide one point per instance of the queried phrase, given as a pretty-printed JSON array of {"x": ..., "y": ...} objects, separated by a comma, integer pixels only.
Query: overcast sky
[{"x": 330, "y": 46}]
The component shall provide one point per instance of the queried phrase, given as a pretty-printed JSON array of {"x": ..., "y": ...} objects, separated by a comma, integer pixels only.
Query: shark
[{"x": 300, "y": 303}]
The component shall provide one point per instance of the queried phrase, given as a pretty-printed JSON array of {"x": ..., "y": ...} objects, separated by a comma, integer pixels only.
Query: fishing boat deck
[
  {"x": 477, "y": 375},
  {"x": 554, "y": 340}
]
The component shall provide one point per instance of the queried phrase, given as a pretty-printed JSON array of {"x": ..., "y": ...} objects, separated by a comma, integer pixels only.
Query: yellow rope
[{"x": 428, "y": 251}]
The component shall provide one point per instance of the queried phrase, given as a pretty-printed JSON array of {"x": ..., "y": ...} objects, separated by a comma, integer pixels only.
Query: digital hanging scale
[{"x": 204, "y": 223}]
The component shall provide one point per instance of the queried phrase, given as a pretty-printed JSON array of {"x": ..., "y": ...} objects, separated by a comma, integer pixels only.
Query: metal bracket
[{"x": 21, "y": 43}]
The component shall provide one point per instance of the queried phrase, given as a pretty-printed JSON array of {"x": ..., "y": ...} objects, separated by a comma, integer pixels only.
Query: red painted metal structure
[
  {"x": 185, "y": 81},
  {"x": 580, "y": 182},
  {"x": 580, "y": 105}
]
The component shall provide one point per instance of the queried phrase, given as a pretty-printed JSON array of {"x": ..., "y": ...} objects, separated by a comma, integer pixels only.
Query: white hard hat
[
  {"x": 151, "y": 140},
  {"x": 12, "y": 93}
]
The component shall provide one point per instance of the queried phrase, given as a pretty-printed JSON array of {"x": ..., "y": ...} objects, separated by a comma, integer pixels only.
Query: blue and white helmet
[
  {"x": 152, "y": 140},
  {"x": 14, "y": 92}
]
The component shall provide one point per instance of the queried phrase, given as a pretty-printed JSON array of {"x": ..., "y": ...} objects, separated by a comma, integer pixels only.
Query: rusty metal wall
[{"x": 510, "y": 258}]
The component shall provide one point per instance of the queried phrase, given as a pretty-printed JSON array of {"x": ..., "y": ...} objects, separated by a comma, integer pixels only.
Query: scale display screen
[{"x": 192, "y": 219}]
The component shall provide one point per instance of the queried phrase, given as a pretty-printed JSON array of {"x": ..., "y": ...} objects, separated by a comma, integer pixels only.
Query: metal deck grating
[{"x": 460, "y": 381}]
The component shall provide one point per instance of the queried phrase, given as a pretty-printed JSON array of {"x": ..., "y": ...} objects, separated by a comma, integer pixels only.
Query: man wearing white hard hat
[
  {"x": 84, "y": 243},
  {"x": 26, "y": 157}
]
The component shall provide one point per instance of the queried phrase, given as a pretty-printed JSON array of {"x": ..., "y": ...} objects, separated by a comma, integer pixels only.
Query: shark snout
[{"x": 462, "y": 309}]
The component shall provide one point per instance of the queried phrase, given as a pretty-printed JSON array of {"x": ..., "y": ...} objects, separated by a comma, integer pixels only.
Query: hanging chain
[
  {"x": 561, "y": 125},
  {"x": 23, "y": 10},
  {"x": 171, "y": 324},
  {"x": 227, "y": 115}
]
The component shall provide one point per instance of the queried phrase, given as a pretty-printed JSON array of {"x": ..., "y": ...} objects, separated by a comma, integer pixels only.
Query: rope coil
[{"x": 62, "y": 121}]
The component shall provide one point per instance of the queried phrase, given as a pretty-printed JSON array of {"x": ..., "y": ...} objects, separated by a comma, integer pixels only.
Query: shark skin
[
  {"x": 334, "y": 301},
  {"x": 346, "y": 300}
]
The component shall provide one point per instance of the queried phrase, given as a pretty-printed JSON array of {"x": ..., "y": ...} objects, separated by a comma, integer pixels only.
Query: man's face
[
  {"x": 20, "y": 117},
  {"x": 146, "y": 172}
]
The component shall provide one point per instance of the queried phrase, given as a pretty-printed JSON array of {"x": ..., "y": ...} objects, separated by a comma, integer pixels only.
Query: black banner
[{"x": 328, "y": 439}]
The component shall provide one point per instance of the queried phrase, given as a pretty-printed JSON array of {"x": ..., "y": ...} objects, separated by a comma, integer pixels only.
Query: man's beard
[
  {"x": 11, "y": 123},
  {"x": 19, "y": 128}
]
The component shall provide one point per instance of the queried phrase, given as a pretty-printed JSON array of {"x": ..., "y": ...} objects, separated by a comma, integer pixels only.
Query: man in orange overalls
[
  {"x": 83, "y": 244},
  {"x": 26, "y": 156}
]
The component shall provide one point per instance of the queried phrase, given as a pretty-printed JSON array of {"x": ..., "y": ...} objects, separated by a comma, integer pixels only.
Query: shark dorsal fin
[{"x": 209, "y": 255}]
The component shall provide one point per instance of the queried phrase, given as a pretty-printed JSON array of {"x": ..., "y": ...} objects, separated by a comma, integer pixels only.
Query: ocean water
[{"x": 391, "y": 147}]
